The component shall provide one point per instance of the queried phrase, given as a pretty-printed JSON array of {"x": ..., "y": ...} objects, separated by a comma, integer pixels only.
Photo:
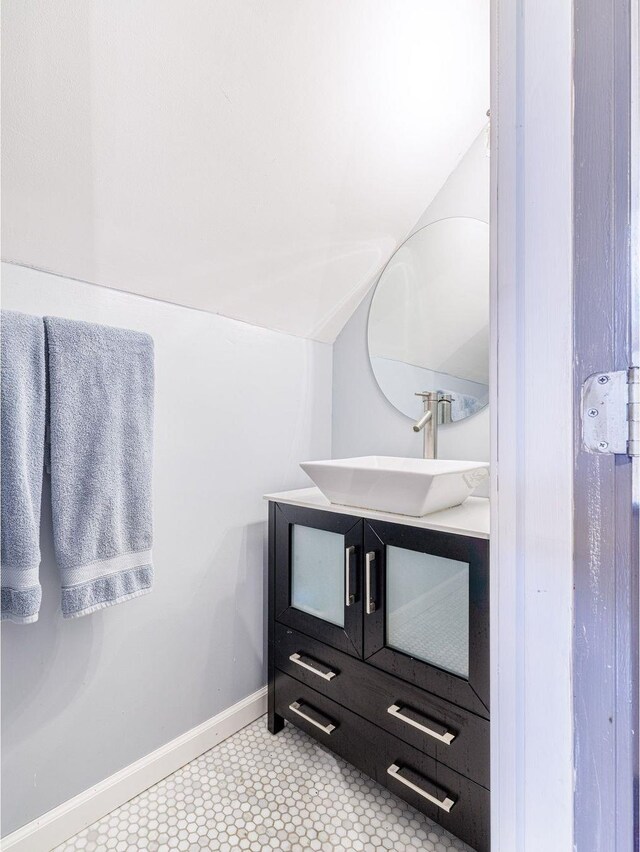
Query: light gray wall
[
  {"x": 364, "y": 422},
  {"x": 237, "y": 407}
]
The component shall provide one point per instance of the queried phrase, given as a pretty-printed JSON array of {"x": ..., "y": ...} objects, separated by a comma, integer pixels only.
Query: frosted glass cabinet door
[
  {"x": 428, "y": 618},
  {"x": 427, "y": 604},
  {"x": 317, "y": 571}
]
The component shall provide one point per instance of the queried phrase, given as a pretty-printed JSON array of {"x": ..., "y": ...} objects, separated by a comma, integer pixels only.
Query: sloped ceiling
[{"x": 257, "y": 159}]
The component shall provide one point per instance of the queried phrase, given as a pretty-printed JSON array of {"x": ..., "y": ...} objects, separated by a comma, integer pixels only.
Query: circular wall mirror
[{"x": 429, "y": 319}]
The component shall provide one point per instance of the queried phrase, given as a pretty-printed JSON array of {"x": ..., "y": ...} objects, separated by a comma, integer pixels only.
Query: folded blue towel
[
  {"x": 22, "y": 420},
  {"x": 101, "y": 434}
]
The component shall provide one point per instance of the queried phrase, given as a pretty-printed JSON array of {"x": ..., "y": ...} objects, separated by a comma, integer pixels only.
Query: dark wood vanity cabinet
[{"x": 379, "y": 648}]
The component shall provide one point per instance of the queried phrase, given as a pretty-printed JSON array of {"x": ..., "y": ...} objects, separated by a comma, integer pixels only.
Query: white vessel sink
[{"x": 413, "y": 487}]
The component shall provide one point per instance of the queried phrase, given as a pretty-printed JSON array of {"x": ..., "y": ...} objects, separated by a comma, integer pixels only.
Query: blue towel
[
  {"x": 22, "y": 420},
  {"x": 101, "y": 434}
]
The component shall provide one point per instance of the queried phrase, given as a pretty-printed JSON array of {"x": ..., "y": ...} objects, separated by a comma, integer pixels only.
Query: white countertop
[{"x": 471, "y": 518}]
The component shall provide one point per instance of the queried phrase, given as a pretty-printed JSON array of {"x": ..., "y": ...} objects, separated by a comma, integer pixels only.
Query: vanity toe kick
[{"x": 457, "y": 803}]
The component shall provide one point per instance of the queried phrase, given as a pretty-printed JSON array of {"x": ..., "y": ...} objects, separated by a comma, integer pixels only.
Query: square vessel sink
[{"x": 402, "y": 486}]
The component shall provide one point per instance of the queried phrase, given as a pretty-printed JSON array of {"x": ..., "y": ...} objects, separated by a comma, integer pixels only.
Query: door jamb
[{"x": 532, "y": 426}]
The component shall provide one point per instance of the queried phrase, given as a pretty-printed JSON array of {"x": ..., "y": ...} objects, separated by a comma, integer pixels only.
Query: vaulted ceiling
[{"x": 260, "y": 160}]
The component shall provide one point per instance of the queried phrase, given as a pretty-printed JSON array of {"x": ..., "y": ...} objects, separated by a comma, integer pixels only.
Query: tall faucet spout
[
  {"x": 428, "y": 424},
  {"x": 417, "y": 427}
]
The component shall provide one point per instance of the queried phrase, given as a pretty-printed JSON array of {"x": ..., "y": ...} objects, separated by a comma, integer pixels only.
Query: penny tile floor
[{"x": 258, "y": 792}]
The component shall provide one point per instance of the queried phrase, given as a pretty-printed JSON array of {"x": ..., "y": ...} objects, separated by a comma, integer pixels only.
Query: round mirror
[{"x": 429, "y": 319}]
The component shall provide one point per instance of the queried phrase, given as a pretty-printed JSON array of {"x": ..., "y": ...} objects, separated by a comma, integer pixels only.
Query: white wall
[
  {"x": 256, "y": 159},
  {"x": 363, "y": 419},
  {"x": 237, "y": 407}
]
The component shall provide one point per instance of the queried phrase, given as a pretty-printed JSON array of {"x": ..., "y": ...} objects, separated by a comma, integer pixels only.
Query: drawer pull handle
[
  {"x": 349, "y": 597},
  {"x": 370, "y": 603},
  {"x": 295, "y": 708},
  {"x": 302, "y": 662},
  {"x": 444, "y": 736},
  {"x": 445, "y": 803}
]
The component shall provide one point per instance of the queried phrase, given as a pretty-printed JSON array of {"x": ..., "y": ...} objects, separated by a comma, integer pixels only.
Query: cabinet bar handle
[
  {"x": 298, "y": 660},
  {"x": 445, "y": 804},
  {"x": 295, "y": 708},
  {"x": 349, "y": 597},
  {"x": 370, "y": 603},
  {"x": 445, "y": 737}
]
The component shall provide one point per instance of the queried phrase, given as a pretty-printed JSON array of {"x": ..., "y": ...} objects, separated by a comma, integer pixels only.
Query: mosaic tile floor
[{"x": 259, "y": 792}]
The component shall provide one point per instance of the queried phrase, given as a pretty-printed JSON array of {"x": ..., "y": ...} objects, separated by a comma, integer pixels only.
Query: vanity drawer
[
  {"x": 449, "y": 734},
  {"x": 450, "y": 799},
  {"x": 340, "y": 730}
]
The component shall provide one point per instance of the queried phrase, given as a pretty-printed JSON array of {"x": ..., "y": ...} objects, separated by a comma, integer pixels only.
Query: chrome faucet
[{"x": 432, "y": 417}]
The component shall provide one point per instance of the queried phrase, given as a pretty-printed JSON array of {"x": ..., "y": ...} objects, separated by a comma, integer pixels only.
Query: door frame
[
  {"x": 605, "y": 524},
  {"x": 560, "y": 205},
  {"x": 532, "y": 426}
]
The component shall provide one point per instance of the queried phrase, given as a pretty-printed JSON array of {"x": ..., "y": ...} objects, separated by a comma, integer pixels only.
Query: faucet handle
[{"x": 439, "y": 396}]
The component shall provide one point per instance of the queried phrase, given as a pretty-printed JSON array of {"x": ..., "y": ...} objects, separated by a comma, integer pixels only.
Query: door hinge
[{"x": 611, "y": 412}]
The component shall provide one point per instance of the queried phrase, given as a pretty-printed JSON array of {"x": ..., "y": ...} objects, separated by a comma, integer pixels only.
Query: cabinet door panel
[
  {"x": 427, "y": 608},
  {"x": 431, "y": 620},
  {"x": 318, "y": 575}
]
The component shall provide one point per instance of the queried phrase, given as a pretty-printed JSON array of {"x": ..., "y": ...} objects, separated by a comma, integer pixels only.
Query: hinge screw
[
  {"x": 602, "y": 380},
  {"x": 592, "y": 412},
  {"x": 602, "y": 445}
]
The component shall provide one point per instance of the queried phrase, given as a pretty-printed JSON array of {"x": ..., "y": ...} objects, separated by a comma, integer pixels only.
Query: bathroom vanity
[{"x": 379, "y": 646}]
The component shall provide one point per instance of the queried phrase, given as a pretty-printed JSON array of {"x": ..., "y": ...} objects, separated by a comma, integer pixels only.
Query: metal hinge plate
[{"x": 611, "y": 412}]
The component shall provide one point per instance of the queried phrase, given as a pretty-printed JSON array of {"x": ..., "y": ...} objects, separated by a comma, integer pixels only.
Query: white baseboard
[{"x": 61, "y": 823}]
